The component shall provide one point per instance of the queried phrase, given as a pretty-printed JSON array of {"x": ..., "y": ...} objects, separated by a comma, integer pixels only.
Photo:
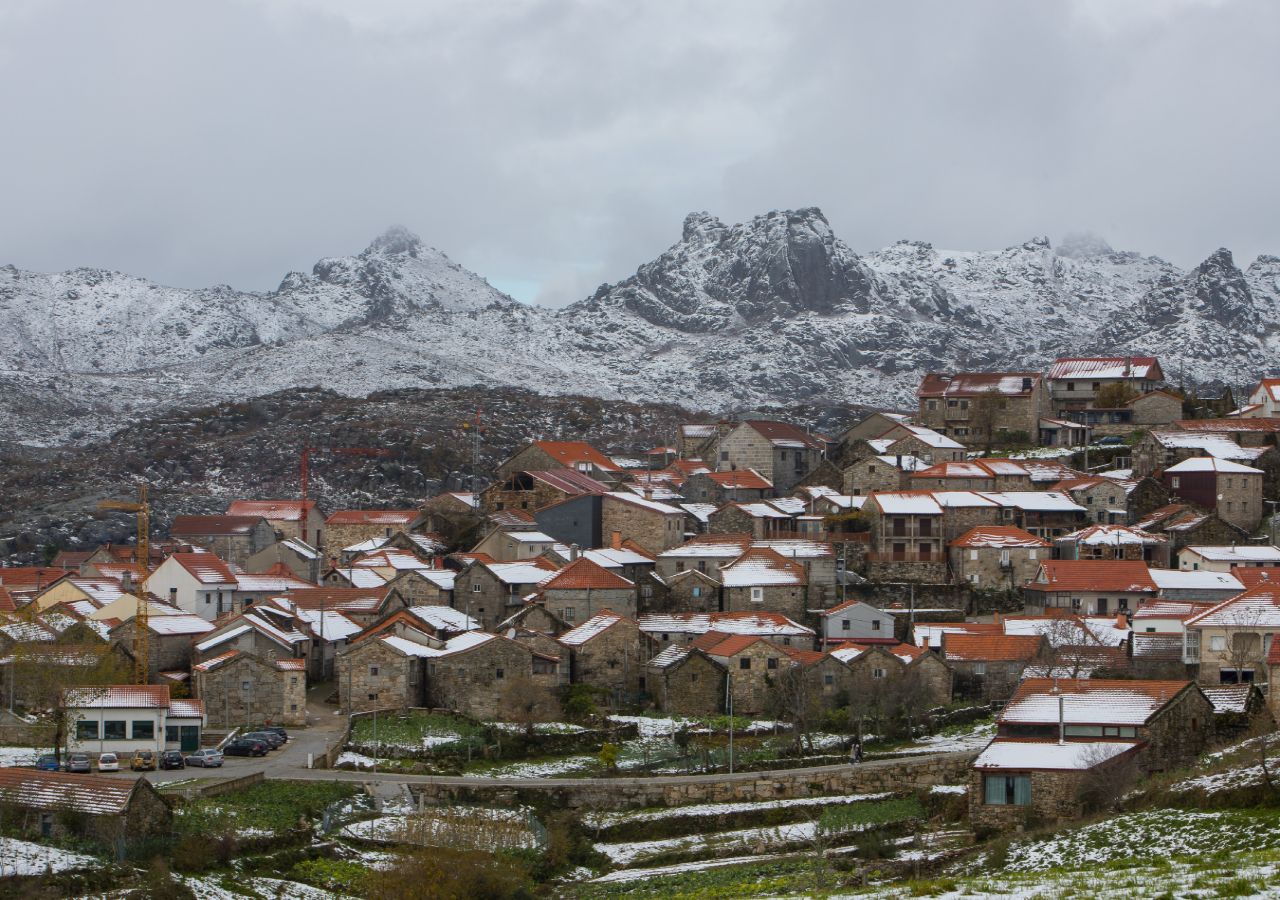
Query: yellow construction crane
[{"x": 141, "y": 618}]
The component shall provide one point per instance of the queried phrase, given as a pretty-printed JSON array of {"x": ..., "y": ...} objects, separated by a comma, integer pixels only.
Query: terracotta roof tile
[
  {"x": 583, "y": 574},
  {"x": 991, "y": 647},
  {"x": 1093, "y": 576},
  {"x": 571, "y": 452},
  {"x": 998, "y": 536},
  {"x": 372, "y": 517}
]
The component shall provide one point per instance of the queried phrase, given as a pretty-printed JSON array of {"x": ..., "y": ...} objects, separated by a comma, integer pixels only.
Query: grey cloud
[{"x": 561, "y": 143}]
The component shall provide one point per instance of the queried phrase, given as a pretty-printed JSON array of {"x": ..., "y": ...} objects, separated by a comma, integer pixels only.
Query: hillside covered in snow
[{"x": 775, "y": 310}]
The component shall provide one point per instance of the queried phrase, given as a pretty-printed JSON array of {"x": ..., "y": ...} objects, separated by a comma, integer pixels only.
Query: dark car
[
  {"x": 79, "y": 762},
  {"x": 270, "y": 738},
  {"x": 1111, "y": 440},
  {"x": 245, "y": 747},
  {"x": 275, "y": 729},
  {"x": 47, "y": 762},
  {"x": 172, "y": 759}
]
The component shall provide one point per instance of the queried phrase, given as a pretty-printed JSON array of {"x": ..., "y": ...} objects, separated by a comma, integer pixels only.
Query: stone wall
[
  {"x": 931, "y": 572},
  {"x": 614, "y": 660},
  {"x": 579, "y": 604},
  {"x": 898, "y": 775},
  {"x": 653, "y": 530},
  {"x": 870, "y": 474},
  {"x": 490, "y": 604},
  {"x": 274, "y": 696},
  {"x": 1024, "y": 562},
  {"x": 1179, "y": 734},
  {"x": 1055, "y": 795},
  {"x": 473, "y": 682},
  {"x": 372, "y": 675},
  {"x": 787, "y": 599},
  {"x": 693, "y": 687},
  {"x": 1240, "y": 500}
]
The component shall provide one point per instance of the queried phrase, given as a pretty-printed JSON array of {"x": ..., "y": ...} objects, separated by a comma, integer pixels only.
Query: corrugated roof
[{"x": 96, "y": 795}]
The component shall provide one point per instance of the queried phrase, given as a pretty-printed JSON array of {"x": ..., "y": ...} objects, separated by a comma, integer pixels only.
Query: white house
[
  {"x": 1224, "y": 559},
  {"x": 123, "y": 718},
  {"x": 198, "y": 583},
  {"x": 1264, "y": 402},
  {"x": 857, "y": 621}
]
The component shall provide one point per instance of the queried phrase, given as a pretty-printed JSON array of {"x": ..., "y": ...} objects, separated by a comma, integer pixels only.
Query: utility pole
[{"x": 728, "y": 688}]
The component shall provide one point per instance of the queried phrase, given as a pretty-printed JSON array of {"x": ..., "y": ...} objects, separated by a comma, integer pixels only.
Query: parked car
[
  {"x": 208, "y": 758},
  {"x": 275, "y": 729},
  {"x": 108, "y": 762},
  {"x": 143, "y": 761},
  {"x": 172, "y": 759},
  {"x": 47, "y": 762},
  {"x": 245, "y": 747},
  {"x": 1111, "y": 440},
  {"x": 270, "y": 738},
  {"x": 79, "y": 763}
]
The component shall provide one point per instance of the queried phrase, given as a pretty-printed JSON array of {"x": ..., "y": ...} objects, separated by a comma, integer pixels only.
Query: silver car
[
  {"x": 207, "y": 758},
  {"x": 79, "y": 762}
]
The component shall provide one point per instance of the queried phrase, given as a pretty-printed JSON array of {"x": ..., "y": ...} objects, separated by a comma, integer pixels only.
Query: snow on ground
[
  {"x": 26, "y": 858},
  {"x": 435, "y": 740},
  {"x": 607, "y": 819},
  {"x": 645, "y": 874},
  {"x": 359, "y": 760},
  {"x": 652, "y": 727},
  {"x": 539, "y": 727},
  {"x": 290, "y": 890},
  {"x": 625, "y": 853},
  {"x": 545, "y": 769},
  {"x": 1151, "y": 835},
  {"x": 503, "y": 828},
  {"x": 1246, "y": 776},
  {"x": 974, "y": 739},
  {"x": 949, "y": 789},
  {"x": 19, "y": 756}
]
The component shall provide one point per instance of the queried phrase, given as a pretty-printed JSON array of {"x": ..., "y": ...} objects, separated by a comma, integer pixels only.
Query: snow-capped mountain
[{"x": 774, "y": 310}]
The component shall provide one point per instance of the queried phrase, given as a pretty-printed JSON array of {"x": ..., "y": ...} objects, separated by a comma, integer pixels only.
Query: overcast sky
[{"x": 554, "y": 145}]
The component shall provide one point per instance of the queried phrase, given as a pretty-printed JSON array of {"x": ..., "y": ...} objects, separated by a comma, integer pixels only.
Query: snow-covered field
[
  {"x": 699, "y": 810},
  {"x": 19, "y": 756},
  {"x": 25, "y": 858},
  {"x": 746, "y": 839},
  {"x": 490, "y": 829},
  {"x": 974, "y": 738}
]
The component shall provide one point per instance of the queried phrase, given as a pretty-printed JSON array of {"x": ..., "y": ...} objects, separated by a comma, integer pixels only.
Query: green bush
[{"x": 333, "y": 874}]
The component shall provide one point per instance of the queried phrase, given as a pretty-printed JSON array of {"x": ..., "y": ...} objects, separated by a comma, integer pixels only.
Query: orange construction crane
[
  {"x": 141, "y": 618},
  {"x": 305, "y": 466}
]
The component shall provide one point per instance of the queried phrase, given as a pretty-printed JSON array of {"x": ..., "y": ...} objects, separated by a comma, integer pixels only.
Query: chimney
[
  {"x": 126, "y": 582},
  {"x": 173, "y": 596},
  {"x": 1062, "y": 717},
  {"x": 615, "y": 540},
  {"x": 1121, "y": 621},
  {"x": 1128, "y": 366},
  {"x": 573, "y": 552}
]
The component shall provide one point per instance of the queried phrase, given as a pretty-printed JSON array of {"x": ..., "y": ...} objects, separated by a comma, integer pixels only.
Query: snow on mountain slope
[{"x": 774, "y": 310}]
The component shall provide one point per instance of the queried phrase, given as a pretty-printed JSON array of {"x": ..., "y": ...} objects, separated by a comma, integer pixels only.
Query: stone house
[
  {"x": 197, "y": 583},
  {"x": 856, "y": 621},
  {"x": 345, "y": 527},
  {"x": 472, "y": 673},
  {"x": 651, "y": 525},
  {"x": 241, "y": 688},
  {"x": 577, "y": 456},
  {"x": 1232, "y": 490},
  {"x": 753, "y": 666},
  {"x": 905, "y": 439},
  {"x": 550, "y": 661},
  {"x": 1158, "y": 450},
  {"x": 1185, "y": 525},
  {"x": 972, "y": 475},
  {"x": 760, "y": 520},
  {"x": 424, "y": 587},
  {"x": 169, "y": 642},
  {"x": 692, "y": 591},
  {"x": 233, "y": 538},
  {"x": 581, "y": 589},
  {"x": 1000, "y": 557},
  {"x": 1239, "y": 711},
  {"x": 914, "y": 675},
  {"x": 705, "y": 553},
  {"x": 1157, "y": 407},
  {"x": 983, "y": 406},
  {"x": 868, "y": 428},
  {"x": 535, "y": 489},
  {"x": 490, "y": 591},
  {"x": 290, "y": 518},
  {"x": 729, "y": 486},
  {"x": 1090, "y": 587},
  {"x": 780, "y": 452},
  {"x": 685, "y": 681},
  {"x": 697, "y": 440},
  {"x": 763, "y": 580},
  {"x": 1105, "y": 498},
  {"x": 1231, "y": 641},
  {"x": 682, "y": 629},
  {"x": 384, "y": 672},
  {"x": 257, "y": 632},
  {"x": 609, "y": 651},
  {"x": 105, "y": 810},
  {"x": 1075, "y": 382},
  {"x": 1055, "y": 732},
  {"x": 990, "y": 666},
  {"x": 514, "y": 546},
  {"x": 299, "y": 557},
  {"x": 867, "y": 474},
  {"x": 533, "y": 616},
  {"x": 1046, "y": 514},
  {"x": 906, "y": 537},
  {"x": 1115, "y": 542}
]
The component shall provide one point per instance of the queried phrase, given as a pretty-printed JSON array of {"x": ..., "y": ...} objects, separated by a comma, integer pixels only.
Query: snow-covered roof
[
  {"x": 932, "y": 438},
  {"x": 1089, "y": 702},
  {"x": 1256, "y": 608},
  {"x": 761, "y": 566},
  {"x": 1112, "y": 535},
  {"x": 1076, "y": 755},
  {"x": 1229, "y": 698},
  {"x": 1199, "y": 579},
  {"x": 328, "y": 625},
  {"x": 906, "y": 504},
  {"x": 530, "y": 537},
  {"x": 587, "y": 630},
  {"x": 301, "y": 547},
  {"x": 254, "y": 584},
  {"x": 1103, "y": 367},
  {"x": 1036, "y": 501},
  {"x": 700, "y": 511},
  {"x": 461, "y": 643},
  {"x": 611, "y": 558},
  {"x": 653, "y": 505},
  {"x": 1212, "y": 464},
  {"x": 961, "y": 499},
  {"x": 117, "y": 696},
  {"x": 1216, "y": 445},
  {"x": 183, "y": 623},
  {"x": 797, "y": 548},
  {"x": 998, "y": 536},
  {"x": 362, "y": 576},
  {"x": 445, "y": 618},
  {"x": 1238, "y": 553},
  {"x": 93, "y": 794}
]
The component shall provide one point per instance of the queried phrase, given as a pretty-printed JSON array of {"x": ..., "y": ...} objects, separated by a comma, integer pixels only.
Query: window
[
  {"x": 1122, "y": 604},
  {"x": 373, "y": 670},
  {"x": 979, "y": 668},
  {"x": 86, "y": 731},
  {"x": 570, "y": 614},
  {"x": 1006, "y": 790},
  {"x": 143, "y": 729},
  {"x": 696, "y": 592},
  {"x": 498, "y": 673},
  {"x": 724, "y": 456},
  {"x": 783, "y": 456},
  {"x": 845, "y": 625},
  {"x": 877, "y": 673},
  {"x": 373, "y": 696},
  {"x": 871, "y": 470},
  {"x": 293, "y": 707},
  {"x": 1176, "y": 482},
  {"x": 1031, "y": 554},
  {"x": 931, "y": 404},
  {"x": 1218, "y": 642},
  {"x": 773, "y": 662},
  {"x": 875, "y": 624},
  {"x": 475, "y": 588},
  {"x": 171, "y": 735},
  {"x": 1235, "y": 676},
  {"x": 744, "y": 663},
  {"x": 757, "y": 595},
  {"x": 293, "y": 681},
  {"x": 973, "y": 554},
  {"x": 113, "y": 730}
]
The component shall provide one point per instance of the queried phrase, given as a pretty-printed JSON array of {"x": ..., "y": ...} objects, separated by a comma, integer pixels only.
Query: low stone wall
[
  {"x": 219, "y": 787},
  {"x": 898, "y": 775}
]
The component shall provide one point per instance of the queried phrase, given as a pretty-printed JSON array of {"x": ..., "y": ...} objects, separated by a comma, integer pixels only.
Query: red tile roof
[
  {"x": 719, "y": 644},
  {"x": 571, "y": 452},
  {"x": 92, "y": 794},
  {"x": 1094, "y": 576},
  {"x": 998, "y": 536},
  {"x": 583, "y": 574},
  {"x": 1233, "y": 424},
  {"x": 991, "y": 647},
  {"x": 28, "y": 578},
  {"x": 784, "y": 431},
  {"x": 7, "y": 604},
  {"x": 207, "y": 568},
  {"x": 569, "y": 481},
  {"x": 372, "y": 517},
  {"x": 1252, "y": 576},
  {"x": 747, "y": 479}
]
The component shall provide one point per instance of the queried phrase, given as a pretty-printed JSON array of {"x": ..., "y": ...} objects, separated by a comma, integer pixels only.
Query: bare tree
[
  {"x": 1107, "y": 778},
  {"x": 528, "y": 703},
  {"x": 984, "y": 411},
  {"x": 794, "y": 699},
  {"x": 41, "y": 674}
]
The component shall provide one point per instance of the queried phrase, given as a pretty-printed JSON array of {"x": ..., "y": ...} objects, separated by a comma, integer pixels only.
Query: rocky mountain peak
[
  {"x": 701, "y": 226},
  {"x": 395, "y": 241},
  {"x": 1084, "y": 245}
]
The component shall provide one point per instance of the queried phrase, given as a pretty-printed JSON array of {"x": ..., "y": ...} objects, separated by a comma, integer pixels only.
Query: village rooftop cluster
[{"x": 1113, "y": 576}]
